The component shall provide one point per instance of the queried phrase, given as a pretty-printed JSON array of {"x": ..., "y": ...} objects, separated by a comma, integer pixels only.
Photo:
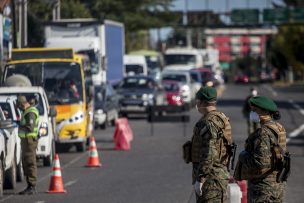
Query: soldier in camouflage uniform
[
  {"x": 209, "y": 154},
  {"x": 258, "y": 163}
]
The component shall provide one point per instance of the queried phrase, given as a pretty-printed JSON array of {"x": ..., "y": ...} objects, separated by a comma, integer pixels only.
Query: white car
[
  {"x": 188, "y": 89},
  {"x": 8, "y": 158},
  {"x": 9, "y": 108},
  {"x": 46, "y": 142}
]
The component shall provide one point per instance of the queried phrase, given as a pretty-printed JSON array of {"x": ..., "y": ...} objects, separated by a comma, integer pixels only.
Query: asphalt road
[{"x": 153, "y": 170}]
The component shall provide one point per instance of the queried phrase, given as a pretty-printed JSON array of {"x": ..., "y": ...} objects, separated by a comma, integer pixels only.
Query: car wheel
[
  {"x": 104, "y": 125},
  {"x": 20, "y": 173},
  {"x": 114, "y": 119},
  {"x": 10, "y": 177},
  {"x": 48, "y": 160},
  {"x": 1, "y": 178},
  {"x": 81, "y": 147}
]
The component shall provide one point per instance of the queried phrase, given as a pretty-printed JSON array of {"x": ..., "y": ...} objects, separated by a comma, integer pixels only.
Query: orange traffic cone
[
  {"x": 56, "y": 185},
  {"x": 93, "y": 160}
]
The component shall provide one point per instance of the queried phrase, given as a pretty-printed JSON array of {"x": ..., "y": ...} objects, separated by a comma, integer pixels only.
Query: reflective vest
[{"x": 23, "y": 123}]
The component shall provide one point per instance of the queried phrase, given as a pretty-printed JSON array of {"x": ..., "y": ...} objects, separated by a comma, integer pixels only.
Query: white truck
[
  {"x": 135, "y": 65},
  {"x": 183, "y": 58},
  {"x": 101, "y": 40}
]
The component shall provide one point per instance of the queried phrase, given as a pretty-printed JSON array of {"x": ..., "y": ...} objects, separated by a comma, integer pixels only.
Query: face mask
[{"x": 254, "y": 117}]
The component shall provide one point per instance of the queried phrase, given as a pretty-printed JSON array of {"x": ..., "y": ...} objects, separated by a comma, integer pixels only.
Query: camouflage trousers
[
  {"x": 266, "y": 192},
  {"x": 214, "y": 191},
  {"x": 28, "y": 147}
]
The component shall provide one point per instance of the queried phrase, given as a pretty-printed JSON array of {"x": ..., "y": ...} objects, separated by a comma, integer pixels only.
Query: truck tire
[
  {"x": 48, "y": 160},
  {"x": 1, "y": 178},
  {"x": 20, "y": 173},
  {"x": 10, "y": 176},
  {"x": 81, "y": 146}
]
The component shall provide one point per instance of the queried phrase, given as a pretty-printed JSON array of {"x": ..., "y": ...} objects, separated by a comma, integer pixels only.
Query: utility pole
[
  {"x": 22, "y": 23},
  {"x": 56, "y": 10},
  {"x": 185, "y": 22}
]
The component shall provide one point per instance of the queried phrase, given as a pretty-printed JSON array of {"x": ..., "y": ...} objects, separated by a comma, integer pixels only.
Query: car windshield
[
  {"x": 175, "y": 77},
  {"x": 170, "y": 87},
  {"x": 176, "y": 59},
  {"x": 152, "y": 62},
  {"x": 134, "y": 68},
  {"x": 62, "y": 81},
  {"x": 6, "y": 110},
  {"x": 34, "y": 99},
  {"x": 138, "y": 83}
]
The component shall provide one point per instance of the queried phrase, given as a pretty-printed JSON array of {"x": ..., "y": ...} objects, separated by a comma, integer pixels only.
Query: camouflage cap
[
  {"x": 206, "y": 94},
  {"x": 21, "y": 99},
  {"x": 263, "y": 103}
]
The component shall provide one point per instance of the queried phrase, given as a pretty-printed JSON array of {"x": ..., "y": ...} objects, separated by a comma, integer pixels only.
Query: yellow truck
[{"x": 60, "y": 72}]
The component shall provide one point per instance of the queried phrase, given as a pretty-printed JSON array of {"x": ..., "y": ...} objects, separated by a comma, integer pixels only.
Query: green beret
[
  {"x": 206, "y": 94},
  {"x": 263, "y": 103}
]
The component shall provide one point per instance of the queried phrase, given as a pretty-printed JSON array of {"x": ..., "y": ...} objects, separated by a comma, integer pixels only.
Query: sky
[{"x": 216, "y": 6}]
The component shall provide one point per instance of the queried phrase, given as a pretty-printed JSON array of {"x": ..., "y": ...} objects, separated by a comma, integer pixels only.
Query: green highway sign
[
  {"x": 297, "y": 15},
  {"x": 245, "y": 16},
  {"x": 278, "y": 15}
]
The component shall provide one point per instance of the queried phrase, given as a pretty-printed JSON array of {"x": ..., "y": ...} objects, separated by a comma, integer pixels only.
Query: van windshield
[
  {"x": 134, "y": 68},
  {"x": 62, "y": 81},
  {"x": 180, "y": 59}
]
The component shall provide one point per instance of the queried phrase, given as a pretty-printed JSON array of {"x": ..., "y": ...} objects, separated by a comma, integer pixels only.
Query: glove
[
  {"x": 198, "y": 188},
  {"x": 243, "y": 156}
]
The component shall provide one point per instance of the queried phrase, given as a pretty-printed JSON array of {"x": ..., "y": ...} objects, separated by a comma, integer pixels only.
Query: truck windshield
[
  {"x": 153, "y": 62},
  {"x": 178, "y": 59},
  {"x": 93, "y": 57},
  {"x": 62, "y": 81}
]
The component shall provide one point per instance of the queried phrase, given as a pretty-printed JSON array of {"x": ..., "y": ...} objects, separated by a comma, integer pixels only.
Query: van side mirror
[
  {"x": 53, "y": 112},
  {"x": 6, "y": 124}
]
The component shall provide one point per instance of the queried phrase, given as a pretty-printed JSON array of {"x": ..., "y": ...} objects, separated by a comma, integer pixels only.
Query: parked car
[
  {"x": 137, "y": 93},
  {"x": 47, "y": 124},
  {"x": 8, "y": 105},
  {"x": 188, "y": 88},
  {"x": 207, "y": 77},
  {"x": 241, "y": 78},
  {"x": 8, "y": 158},
  {"x": 173, "y": 92},
  {"x": 106, "y": 106}
]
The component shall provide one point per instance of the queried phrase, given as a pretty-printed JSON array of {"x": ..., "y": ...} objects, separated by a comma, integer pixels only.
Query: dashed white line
[
  {"x": 297, "y": 131},
  {"x": 70, "y": 183},
  {"x": 270, "y": 89}
]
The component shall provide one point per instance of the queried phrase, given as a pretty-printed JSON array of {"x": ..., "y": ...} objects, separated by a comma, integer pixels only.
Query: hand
[
  {"x": 198, "y": 188},
  {"x": 243, "y": 156}
]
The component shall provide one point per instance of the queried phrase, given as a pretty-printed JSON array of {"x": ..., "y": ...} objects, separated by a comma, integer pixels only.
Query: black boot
[{"x": 30, "y": 190}]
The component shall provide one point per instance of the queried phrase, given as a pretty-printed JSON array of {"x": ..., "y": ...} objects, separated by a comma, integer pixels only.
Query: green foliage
[{"x": 289, "y": 43}]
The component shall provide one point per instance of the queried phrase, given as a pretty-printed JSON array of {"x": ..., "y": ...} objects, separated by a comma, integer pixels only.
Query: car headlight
[
  {"x": 43, "y": 130},
  {"x": 99, "y": 111},
  {"x": 144, "y": 96}
]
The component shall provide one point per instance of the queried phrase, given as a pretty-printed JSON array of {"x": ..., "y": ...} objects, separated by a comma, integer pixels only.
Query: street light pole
[{"x": 185, "y": 22}]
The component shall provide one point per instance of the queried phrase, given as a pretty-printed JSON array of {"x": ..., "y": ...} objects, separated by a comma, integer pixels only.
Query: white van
[
  {"x": 135, "y": 65},
  {"x": 46, "y": 143}
]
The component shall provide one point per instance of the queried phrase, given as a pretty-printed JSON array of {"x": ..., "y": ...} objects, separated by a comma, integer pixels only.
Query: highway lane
[{"x": 153, "y": 170}]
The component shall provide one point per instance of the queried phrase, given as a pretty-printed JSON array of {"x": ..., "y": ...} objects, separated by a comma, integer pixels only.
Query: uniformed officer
[
  {"x": 28, "y": 132},
  {"x": 261, "y": 161},
  {"x": 209, "y": 149},
  {"x": 251, "y": 126}
]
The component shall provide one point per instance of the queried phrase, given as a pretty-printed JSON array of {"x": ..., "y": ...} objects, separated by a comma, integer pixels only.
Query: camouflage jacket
[{"x": 207, "y": 134}]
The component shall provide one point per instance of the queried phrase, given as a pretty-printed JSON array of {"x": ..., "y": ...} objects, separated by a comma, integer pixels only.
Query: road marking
[
  {"x": 50, "y": 174},
  {"x": 270, "y": 89},
  {"x": 297, "y": 131},
  {"x": 70, "y": 183},
  {"x": 295, "y": 105},
  {"x": 40, "y": 202}
]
